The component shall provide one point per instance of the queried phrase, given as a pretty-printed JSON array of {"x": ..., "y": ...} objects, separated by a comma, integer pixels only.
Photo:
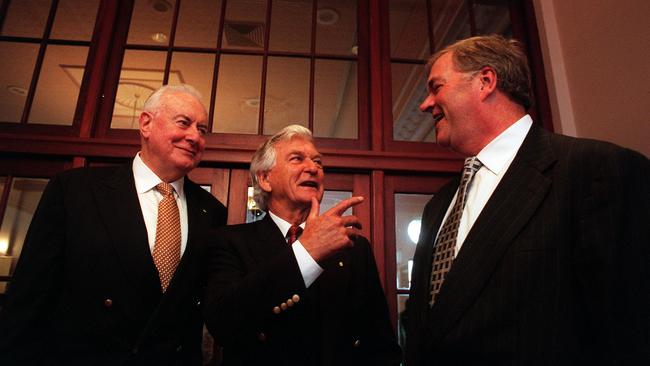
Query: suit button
[
  {"x": 289, "y": 302},
  {"x": 179, "y": 348},
  {"x": 283, "y": 306},
  {"x": 277, "y": 310},
  {"x": 108, "y": 303},
  {"x": 261, "y": 337},
  {"x": 295, "y": 298},
  {"x": 357, "y": 343}
]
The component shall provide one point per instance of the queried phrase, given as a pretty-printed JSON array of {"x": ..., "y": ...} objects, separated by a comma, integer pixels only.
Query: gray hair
[
  {"x": 153, "y": 102},
  {"x": 505, "y": 56},
  {"x": 264, "y": 158}
]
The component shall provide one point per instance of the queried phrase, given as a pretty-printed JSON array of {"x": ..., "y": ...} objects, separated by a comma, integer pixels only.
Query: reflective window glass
[
  {"x": 151, "y": 22},
  {"x": 408, "y": 91},
  {"x": 450, "y": 21},
  {"x": 408, "y": 213},
  {"x": 287, "y": 93},
  {"x": 58, "y": 85},
  {"x": 198, "y": 23},
  {"x": 195, "y": 69},
  {"x": 237, "y": 102},
  {"x": 401, "y": 326},
  {"x": 336, "y": 27},
  {"x": 75, "y": 20},
  {"x": 16, "y": 70},
  {"x": 23, "y": 199},
  {"x": 142, "y": 73},
  {"x": 493, "y": 17},
  {"x": 335, "y": 99},
  {"x": 291, "y": 26},
  {"x": 409, "y": 36},
  {"x": 245, "y": 24},
  {"x": 26, "y": 18}
]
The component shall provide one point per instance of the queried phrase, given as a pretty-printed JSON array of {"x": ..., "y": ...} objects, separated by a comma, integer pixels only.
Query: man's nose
[
  {"x": 427, "y": 104},
  {"x": 310, "y": 166}
]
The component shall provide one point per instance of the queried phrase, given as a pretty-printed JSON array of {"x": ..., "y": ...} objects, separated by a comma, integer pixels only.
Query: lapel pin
[
  {"x": 204, "y": 210},
  {"x": 340, "y": 264}
]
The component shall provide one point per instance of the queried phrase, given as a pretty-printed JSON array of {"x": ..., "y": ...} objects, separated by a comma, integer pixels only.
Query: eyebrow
[{"x": 300, "y": 152}]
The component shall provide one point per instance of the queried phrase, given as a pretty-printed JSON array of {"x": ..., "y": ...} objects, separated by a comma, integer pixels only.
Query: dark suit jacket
[
  {"x": 341, "y": 319},
  {"x": 86, "y": 291},
  {"x": 555, "y": 270}
]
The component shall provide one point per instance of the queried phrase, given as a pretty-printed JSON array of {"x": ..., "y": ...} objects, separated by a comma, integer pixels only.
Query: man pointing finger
[{"x": 297, "y": 287}]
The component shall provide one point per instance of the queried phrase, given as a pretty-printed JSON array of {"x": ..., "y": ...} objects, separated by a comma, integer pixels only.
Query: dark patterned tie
[
  {"x": 167, "y": 249},
  {"x": 293, "y": 234},
  {"x": 445, "y": 245}
]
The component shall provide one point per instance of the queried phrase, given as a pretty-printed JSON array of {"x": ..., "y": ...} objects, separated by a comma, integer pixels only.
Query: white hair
[
  {"x": 264, "y": 158},
  {"x": 153, "y": 102}
]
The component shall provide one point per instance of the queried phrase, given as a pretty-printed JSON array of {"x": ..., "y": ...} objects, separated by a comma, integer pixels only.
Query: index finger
[{"x": 340, "y": 207}]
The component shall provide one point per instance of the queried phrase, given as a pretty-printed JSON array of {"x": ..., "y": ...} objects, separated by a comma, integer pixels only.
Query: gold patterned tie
[
  {"x": 167, "y": 249},
  {"x": 445, "y": 246}
]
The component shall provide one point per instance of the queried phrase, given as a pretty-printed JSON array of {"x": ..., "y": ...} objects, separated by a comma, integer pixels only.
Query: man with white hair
[
  {"x": 110, "y": 271},
  {"x": 297, "y": 287}
]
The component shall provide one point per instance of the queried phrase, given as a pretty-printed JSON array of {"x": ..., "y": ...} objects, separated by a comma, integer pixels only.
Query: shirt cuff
[{"x": 309, "y": 268}]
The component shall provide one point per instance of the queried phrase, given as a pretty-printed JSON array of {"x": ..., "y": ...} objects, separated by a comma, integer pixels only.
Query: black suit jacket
[
  {"x": 341, "y": 319},
  {"x": 553, "y": 272},
  {"x": 86, "y": 291}
]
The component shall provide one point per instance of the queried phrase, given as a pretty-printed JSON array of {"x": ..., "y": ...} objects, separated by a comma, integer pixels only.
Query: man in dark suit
[
  {"x": 91, "y": 286},
  {"x": 276, "y": 299},
  {"x": 550, "y": 250}
]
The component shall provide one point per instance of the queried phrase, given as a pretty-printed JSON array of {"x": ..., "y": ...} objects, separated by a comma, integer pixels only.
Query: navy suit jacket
[
  {"x": 341, "y": 319},
  {"x": 555, "y": 270},
  {"x": 86, "y": 290}
]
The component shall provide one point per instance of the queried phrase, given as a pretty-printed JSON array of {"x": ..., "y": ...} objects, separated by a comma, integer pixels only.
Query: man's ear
[
  {"x": 145, "y": 120},
  {"x": 263, "y": 181},
  {"x": 488, "y": 79}
]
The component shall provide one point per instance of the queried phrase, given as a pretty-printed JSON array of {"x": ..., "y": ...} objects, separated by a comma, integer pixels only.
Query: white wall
[{"x": 597, "y": 62}]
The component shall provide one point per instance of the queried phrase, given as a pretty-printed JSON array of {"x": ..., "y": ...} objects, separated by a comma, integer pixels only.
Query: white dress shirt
[
  {"x": 309, "y": 268},
  {"x": 145, "y": 184},
  {"x": 496, "y": 158}
]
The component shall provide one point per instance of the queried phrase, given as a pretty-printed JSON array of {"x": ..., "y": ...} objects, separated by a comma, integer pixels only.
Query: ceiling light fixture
[
  {"x": 15, "y": 89},
  {"x": 159, "y": 37},
  {"x": 327, "y": 16}
]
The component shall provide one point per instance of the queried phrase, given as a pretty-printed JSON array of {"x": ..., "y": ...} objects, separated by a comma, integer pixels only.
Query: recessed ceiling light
[
  {"x": 15, "y": 89},
  {"x": 161, "y": 6},
  {"x": 327, "y": 16},
  {"x": 252, "y": 102},
  {"x": 159, "y": 37}
]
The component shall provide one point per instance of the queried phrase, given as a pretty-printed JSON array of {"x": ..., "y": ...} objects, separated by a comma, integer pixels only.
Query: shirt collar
[
  {"x": 282, "y": 224},
  {"x": 496, "y": 155},
  {"x": 146, "y": 179}
]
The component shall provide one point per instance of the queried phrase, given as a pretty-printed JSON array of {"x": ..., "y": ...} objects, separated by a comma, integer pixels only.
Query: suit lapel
[
  {"x": 119, "y": 207},
  {"x": 512, "y": 204}
]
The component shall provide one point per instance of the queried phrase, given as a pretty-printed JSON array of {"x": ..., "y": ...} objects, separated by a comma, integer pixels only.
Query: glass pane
[
  {"x": 408, "y": 89},
  {"x": 16, "y": 70},
  {"x": 26, "y": 18},
  {"x": 151, "y": 22},
  {"x": 58, "y": 85},
  {"x": 450, "y": 20},
  {"x": 335, "y": 99},
  {"x": 75, "y": 20},
  {"x": 287, "y": 93},
  {"x": 195, "y": 69},
  {"x": 245, "y": 24},
  {"x": 141, "y": 74},
  {"x": 409, "y": 35},
  {"x": 331, "y": 198},
  {"x": 237, "y": 103},
  {"x": 198, "y": 23},
  {"x": 291, "y": 26},
  {"x": 401, "y": 327},
  {"x": 408, "y": 213},
  {"x": 336, "y": 27},
  {"x": 23, "y": 199},
  {"x": 492, "y": 17},
  {"x": 253, "y": 212}
]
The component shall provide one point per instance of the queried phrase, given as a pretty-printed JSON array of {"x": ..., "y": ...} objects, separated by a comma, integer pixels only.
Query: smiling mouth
[
  {"x": 189, "y": 151},
  {"x": 437, "y": 117},
  {"x": 309, "y": 184}
]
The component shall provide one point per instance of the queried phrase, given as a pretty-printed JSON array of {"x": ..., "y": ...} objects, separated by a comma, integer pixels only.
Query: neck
[
  {"x": 294, "y": 216},
  {"x": 496, "y": 120},
  {"x": 163, "y": 174}
]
